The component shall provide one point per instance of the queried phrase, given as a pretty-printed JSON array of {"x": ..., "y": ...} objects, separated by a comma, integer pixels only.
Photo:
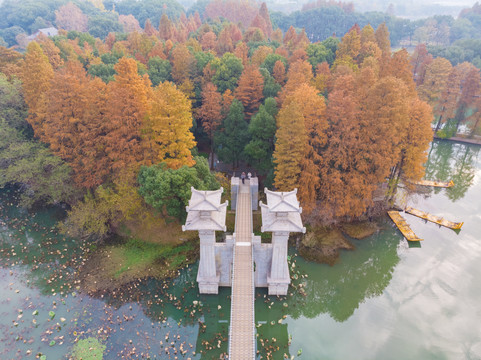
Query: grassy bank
[{"x": 144, "y": 249}]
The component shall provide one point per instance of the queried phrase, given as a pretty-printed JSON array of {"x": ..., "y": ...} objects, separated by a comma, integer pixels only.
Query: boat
[
  {"x": 443, "y": 184},
  {"x": 403, "y": 226},
  {"x": 435, "y": 219}
]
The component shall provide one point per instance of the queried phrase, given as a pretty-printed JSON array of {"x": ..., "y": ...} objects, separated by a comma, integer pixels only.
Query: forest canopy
[{"x": 121, "y": 103}]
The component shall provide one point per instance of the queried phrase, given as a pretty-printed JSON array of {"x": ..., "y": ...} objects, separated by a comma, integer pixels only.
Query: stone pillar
[
  {"x": 278, "y": 280},
  {"x": 254, "y": 184},
  {"x": 234, "y": 187},
  {"x": 207, "y": 276}
]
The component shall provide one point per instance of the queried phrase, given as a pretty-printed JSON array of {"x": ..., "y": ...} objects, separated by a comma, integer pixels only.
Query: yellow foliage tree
[
  {"x": 312, "y": 108},
  {"x": 289, "y": 150},
  {"x": 36, "y": 74},
  {"x": 169, "y": 138}
]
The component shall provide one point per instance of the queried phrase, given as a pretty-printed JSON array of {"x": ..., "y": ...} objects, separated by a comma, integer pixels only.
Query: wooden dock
[
  {"x": 242, "y": 339},
  {"x": 443, "y": 184},
  {"x": 403, "y": 226},
  {"x": 435, "y": 219}
]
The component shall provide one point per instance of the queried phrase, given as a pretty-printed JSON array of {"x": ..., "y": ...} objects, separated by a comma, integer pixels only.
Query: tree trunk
[{"x": 438, "y": 125}]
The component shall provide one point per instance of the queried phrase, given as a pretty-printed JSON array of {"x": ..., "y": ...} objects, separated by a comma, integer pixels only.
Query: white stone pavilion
[
  {"x": 281, "y": 216},
  {"x": 207, "y": 215}
]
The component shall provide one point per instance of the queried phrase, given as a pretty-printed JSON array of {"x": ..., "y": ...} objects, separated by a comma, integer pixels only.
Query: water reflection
[
  {"x": 360, "y": 275},
  {"x": 452, "y": 161}
]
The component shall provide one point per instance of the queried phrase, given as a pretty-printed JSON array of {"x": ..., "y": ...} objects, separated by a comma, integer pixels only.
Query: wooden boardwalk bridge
[
  {"x": 231, "y": 262},
  {"x": 242, "y": 337}
]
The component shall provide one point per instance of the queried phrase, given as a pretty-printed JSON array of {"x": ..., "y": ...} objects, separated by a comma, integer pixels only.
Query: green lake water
[{"x": 385, "y": 300}]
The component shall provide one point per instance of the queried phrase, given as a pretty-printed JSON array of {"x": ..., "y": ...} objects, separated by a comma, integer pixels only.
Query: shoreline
[{"x": 471, "y": 141}]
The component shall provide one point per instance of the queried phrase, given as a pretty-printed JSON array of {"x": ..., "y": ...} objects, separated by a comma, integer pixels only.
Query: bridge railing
[
  {"x": 233, "y": 270},
  {"x": 254, "y": 339}
]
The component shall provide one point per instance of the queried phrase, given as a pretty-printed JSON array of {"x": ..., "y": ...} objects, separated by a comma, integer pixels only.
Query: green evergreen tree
[
  {"x": 233, "y": 135},
  {"x": 262, "y": 129},
  {"x": 159, "y": 70},
  {"x": 168, "y": 190}
]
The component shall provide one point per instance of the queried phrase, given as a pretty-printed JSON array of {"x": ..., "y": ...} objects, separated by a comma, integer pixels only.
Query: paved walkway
[{"x": 242, "y": 334}]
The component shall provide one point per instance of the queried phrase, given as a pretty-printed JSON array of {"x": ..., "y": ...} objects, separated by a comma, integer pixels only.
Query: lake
[{"x": 385, "y": 300}]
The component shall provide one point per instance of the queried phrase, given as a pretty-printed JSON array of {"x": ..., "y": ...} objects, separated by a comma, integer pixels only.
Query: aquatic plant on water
[{"x": 88, "y": 349}]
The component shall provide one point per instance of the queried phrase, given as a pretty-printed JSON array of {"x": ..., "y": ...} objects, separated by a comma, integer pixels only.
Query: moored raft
[
  {"x": 443, "y": 184},
  {"x": 435, "y": 219},
  {"x": 403, "y": 226}
]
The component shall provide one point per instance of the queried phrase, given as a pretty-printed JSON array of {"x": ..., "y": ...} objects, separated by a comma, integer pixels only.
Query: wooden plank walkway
[{"x": 242, "y": 334}]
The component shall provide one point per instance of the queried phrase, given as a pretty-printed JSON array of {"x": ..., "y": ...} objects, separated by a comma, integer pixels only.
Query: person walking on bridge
[{"x": 243, "y": 177}]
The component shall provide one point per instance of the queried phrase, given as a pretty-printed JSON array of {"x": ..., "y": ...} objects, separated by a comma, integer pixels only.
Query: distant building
[{"x": 50, "y": 31}]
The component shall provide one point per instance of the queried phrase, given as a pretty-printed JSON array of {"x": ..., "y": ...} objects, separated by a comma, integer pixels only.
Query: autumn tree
[
  {"x": 182, "y": 63},
  {"x": 227, "y": 99},
  {"x": 399, "y": 67},
  {"x": 233, "y": 135},
  {"x": 127, "y": 107},
  {"x": 289, "y": 148},
  {"x": 70, "y": 17},
  {"x": 166, "y": 28},
  {"x": 259, "y": 23},
  {"x": 167, "y": 129},
  {"x": 420, "y": 59},
  {"x": 344, "y": 191},
  {"x": 51, "y": 51},
  {"x": 447, "y": 105},
  {"x": 322, "y": 78},
  {"x": 249, "y": 90},
  {"x": 260, "y": 54},
  {"x": 129, "y": 23},
  {"x": 279, "y": 72},
  {"x": 299, "y": 73},
  {"x": 149, "y": 28},
  {"x": 73, "y": 123},
  {"x": 385, "y": 120},
  {"x": 242, "y": 52},
  {"x": 350, "y": 45},
  {"x": 435, "y": 80},
  {"x": 416, "y": 142},
  {"x": 210, "y": 112},
  {"x": 36, "y": 74},
  {"x": 9, "y": 61},
  {"x": 208, "y": 41},
  {"x": 382, "y": 38},
  {"x": 470, "y": 92},
  {"x": 313, "y": 112},
  {"x": 264, "y": 14}
]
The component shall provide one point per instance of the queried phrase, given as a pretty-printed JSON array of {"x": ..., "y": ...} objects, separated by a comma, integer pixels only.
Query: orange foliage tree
[
  {"x": 249, "y": 91},
  {"x": 73, "y": 123},
  {"x": 210, "y": 112},
  {"x": 126, "y": 108}
]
